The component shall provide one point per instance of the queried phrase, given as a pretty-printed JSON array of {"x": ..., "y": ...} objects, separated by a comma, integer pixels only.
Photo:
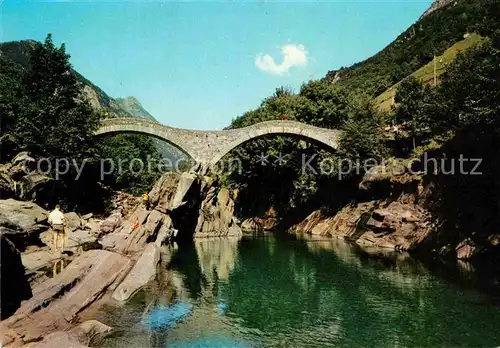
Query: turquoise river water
[{"x": 268, "y": 291}]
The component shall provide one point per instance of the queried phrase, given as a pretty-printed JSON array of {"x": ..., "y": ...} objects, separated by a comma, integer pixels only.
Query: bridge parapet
[{"x": 208, "y": 147}]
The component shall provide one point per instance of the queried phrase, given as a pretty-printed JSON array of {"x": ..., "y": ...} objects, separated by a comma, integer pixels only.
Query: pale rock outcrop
[
  {"x": 24, "y": 217},
  {"x": 165, "y": 189},
  {"x": 183, "y": 186},
  {"x": 395, "y": 225},
  {"x": 396, "y": 221},
  {"x": 259, "y": 224},
  {"x": 17, "y": 179},
  {"x": 145, "y": 233},
  {"x": 436, "y": 5},
  {"x": 124, "y": 203},
  {"x": 72, "y": 221},
  {"x": 143, "y": 271},
  {"x": 216, "y": 214}
]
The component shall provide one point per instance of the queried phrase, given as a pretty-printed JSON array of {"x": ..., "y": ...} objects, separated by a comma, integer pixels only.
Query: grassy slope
[
  {"x": 430, "y": 35},
  {"x": 425, "y": 74}
]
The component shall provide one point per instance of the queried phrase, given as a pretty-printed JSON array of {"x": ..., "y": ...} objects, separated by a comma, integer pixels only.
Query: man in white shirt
[{"x": 56, "y": 220}]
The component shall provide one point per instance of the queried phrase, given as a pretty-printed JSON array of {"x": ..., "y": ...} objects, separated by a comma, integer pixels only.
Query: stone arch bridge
[{"x": 208, "y": 147}]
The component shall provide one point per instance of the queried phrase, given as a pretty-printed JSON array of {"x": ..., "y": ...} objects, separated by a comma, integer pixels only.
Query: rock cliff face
[
  {"x": 436, "y": 5},
  {"x": 183, "y": 206},
  {"x": 397, "y": 225},
  {"x": 216, "y": 213},
  {"x": 396, "y": 221}
]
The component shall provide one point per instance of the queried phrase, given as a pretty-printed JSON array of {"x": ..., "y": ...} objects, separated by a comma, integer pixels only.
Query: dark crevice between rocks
[{"x": 185, "y": 218}]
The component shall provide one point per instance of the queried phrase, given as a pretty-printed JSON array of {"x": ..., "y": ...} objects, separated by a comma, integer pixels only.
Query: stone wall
[{"x": 208, "y": 147}]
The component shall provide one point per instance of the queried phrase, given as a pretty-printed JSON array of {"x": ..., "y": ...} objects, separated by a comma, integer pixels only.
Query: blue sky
[{"x": 199, "y": 64}]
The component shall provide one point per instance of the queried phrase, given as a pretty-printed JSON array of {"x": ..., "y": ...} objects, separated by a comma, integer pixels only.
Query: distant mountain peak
[
  {"x": 436, "y": 5},
  {"x": 129, "y": 100},
  {"x": 134, "y": 107}
]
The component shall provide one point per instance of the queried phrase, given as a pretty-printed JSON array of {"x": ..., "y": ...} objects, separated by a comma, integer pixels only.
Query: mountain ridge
[
  {"x": 439, "y": 27},
  {"x": 18, "y": 52}
]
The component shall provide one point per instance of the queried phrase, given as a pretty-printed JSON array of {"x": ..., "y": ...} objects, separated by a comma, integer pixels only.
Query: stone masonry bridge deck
[{"x": 208, "y": 147}]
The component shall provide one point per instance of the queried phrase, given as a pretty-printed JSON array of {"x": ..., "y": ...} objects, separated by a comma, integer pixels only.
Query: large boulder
[
  {"x": 57, "y": 301},
  {"x": 143, "y": 271},
  {"x": 19, "y": 179},
  {"x": 259, "y": 224},
  {"x": 23, "y": 216},
  {"x": 394, "y": 225},
  {"x": 22, "y": 221},
  {"x": 466, "y": 249},
  {"x": 74, "y": 238},
  {"x": 216, "y": 217},
  {"x": 72, "y": 221},
  {"x": 110, "y": 223},
  {"x": 170, "y": 190},
  {"x": 14, "y": 284}
]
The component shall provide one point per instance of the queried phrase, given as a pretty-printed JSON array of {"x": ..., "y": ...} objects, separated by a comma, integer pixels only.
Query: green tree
[
  {"x": 53, "y": 119},
  {"x": 135, "y": 162},
  {"x": 10, "y": 89},
  {"x": 470, "y": 89},
  {"x": 362, "y": 138},
  {"x": 413, "y": 101},
  {"x": 324, "y": 104}
]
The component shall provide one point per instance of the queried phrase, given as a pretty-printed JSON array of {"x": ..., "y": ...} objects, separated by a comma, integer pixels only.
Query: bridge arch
[
  {"x": 208, "y": 147},
  {"x": 142, "y": 126},
  {"x": 326, "y": 137}
]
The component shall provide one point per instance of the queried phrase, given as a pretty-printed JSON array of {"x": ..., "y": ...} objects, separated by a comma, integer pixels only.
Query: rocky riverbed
[
  {"x": 110, "y": 258},
  {"x": 107, "y": 259}
]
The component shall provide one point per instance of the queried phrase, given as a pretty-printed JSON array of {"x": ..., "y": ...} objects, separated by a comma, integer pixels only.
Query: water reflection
[
  {"x": 57, "y": 267},
  {"x": 280, "y": 291}
]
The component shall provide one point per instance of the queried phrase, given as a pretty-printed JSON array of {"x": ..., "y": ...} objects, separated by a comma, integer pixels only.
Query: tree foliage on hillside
[
  {"x": 51, "y": 117},
  {"x": 293, "y": 173},
  {"x": 44, "y": 112},
  {"x": 466, "y": 106},
  {"x": 430, "y": 36}
]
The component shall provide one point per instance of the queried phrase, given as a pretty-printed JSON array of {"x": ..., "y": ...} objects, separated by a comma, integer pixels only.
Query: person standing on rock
[
  {"x": 56, "y": 220},
  {"x": 145, "y": 200}
]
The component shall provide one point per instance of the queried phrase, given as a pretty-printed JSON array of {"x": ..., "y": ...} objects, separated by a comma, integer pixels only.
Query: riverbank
[
  {"x": 109, "y": 260},
  {"x": 395, "y": 209},
  {"x": 183, "y": 206}
]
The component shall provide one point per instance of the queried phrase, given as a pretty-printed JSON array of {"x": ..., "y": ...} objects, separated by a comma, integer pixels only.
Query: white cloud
[{"x": 293, "y": 55}]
